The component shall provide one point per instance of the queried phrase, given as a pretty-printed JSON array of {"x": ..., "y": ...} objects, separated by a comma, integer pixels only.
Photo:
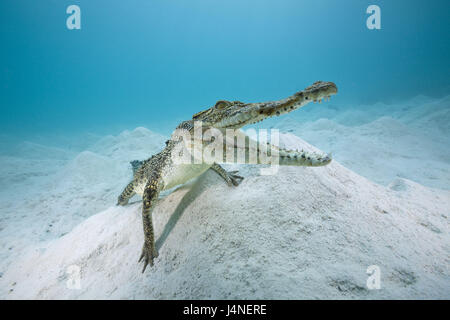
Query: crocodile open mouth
[{"x": 239, "y": 115}]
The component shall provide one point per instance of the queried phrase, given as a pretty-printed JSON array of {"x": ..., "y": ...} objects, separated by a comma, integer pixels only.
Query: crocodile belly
[{"x": 179, "y": 174}]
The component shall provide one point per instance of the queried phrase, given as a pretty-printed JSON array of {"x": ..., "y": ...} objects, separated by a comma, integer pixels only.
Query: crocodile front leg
[
  {"x": 126, "y": 194},
  {"x": 150, "y": 196},
  {"x": 229, "y": 176}
]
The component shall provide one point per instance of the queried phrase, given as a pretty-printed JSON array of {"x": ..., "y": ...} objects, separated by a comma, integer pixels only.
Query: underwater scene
[{"x": 327, "y": 130}]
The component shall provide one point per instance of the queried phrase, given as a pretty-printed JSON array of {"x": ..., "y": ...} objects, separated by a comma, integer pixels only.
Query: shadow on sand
[{"x": 196, "y": 188}]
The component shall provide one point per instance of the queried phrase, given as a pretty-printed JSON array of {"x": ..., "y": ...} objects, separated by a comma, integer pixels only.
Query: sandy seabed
[{"x": 301, "y": 233}]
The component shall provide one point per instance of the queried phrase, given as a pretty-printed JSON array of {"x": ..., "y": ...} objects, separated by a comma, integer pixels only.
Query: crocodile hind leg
[
  {"x": 229, "y": 176},
  {"x": 126, "y": 194},
  {"x": 150, "y": 196}
]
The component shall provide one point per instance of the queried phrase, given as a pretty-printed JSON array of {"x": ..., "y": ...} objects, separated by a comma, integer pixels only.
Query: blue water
[{"x": 154, "y": 63}]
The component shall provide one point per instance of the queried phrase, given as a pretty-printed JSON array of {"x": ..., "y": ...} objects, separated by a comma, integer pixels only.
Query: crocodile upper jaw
[{"x": 237, "y": 114}]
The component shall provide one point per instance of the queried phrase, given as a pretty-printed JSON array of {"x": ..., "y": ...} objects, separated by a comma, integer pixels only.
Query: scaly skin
[{"x": 160, "y": 172}]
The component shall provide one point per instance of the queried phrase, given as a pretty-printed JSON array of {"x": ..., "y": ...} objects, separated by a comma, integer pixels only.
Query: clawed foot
[
  {"x": 234, "y": 178},
  {"x": 148, "y": 254},
  {"x": 121, "y": 202}
]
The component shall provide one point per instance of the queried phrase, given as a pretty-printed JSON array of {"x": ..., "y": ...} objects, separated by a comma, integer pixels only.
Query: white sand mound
[
  {"x": 47, "y": 191},
  {"x": 382, "y": 142},
  {"x": 301, "y": 233},
  {"x": 136, "y": 144}
]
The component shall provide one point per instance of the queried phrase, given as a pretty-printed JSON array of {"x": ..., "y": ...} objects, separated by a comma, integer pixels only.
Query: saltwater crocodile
[{"x": 161, "y": 172}]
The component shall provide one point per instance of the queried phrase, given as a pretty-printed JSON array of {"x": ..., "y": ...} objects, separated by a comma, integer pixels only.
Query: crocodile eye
[{"x": 222, "y": 104}]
